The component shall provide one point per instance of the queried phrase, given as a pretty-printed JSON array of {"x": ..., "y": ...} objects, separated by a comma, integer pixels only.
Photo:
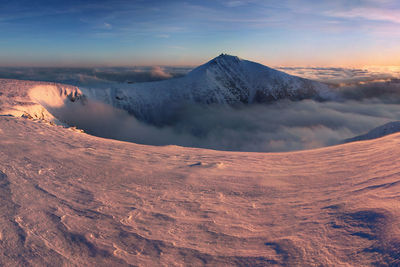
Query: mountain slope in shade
[
  {"x": 386, "y": 129},
  {"x": 223, "y": 80}
]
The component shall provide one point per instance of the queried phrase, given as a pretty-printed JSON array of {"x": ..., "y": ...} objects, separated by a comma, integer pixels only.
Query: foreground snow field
[{"x": 69, "y": 198}]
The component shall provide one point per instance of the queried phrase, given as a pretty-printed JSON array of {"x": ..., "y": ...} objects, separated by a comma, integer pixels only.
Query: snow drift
[
  {"x": 72, "y": 199},
  {"x": 37, "y": 100}
]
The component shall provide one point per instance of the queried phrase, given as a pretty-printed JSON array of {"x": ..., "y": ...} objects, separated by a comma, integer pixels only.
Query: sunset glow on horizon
[{"x": 126, "y": 33}]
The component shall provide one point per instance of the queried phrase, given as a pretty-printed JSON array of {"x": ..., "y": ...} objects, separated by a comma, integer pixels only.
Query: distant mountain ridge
[
  {"x": 225, "y": 79},
  {"x": 383, "y": 130}
]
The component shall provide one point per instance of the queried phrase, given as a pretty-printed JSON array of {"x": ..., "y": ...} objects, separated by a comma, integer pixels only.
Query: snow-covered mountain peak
[
  {"x": 223, "y": 61},
  {"x": 225, "y": 58},
  {"x": 225, "y": 79},
  {"x": 240, "y": 80}
]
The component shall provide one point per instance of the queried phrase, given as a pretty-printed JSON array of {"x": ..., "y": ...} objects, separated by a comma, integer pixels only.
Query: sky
[{"x": 345, "y": 33}]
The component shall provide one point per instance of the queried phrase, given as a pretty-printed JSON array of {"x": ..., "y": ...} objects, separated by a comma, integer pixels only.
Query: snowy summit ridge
[
  {"x": 383, "y": 130},
  {"x": 250, "y": 82},
  {"x": 225, "y": 79}
]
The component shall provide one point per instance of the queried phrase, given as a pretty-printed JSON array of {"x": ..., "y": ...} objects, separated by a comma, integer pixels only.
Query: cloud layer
[
  {"x": 283, "y": 126},
  {"x": 93, "y": 76},
  {"x": 346, "y": 76}
]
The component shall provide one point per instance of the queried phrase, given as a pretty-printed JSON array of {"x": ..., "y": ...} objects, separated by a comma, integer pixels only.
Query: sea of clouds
[
  {"x": 366, "y": 99},
  {"x": 93, "y": 76}
]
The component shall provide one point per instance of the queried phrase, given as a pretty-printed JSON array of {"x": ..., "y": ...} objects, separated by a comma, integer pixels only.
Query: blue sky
[{"x": 284, "y": 32}]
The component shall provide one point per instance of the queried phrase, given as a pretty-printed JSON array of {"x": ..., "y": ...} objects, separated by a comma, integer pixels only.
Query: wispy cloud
[
  {"x": 107, "y": 26},
  {"x": 236, "y": 3},
  {"x": 163, "y": 35},
  {"x": 205, "y": 27},
  {"x": 368, "y": 13},
  {"x": 346, "y": 76}
]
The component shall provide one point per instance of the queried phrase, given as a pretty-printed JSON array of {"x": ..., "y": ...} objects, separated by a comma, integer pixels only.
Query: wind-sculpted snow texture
[
  {"x": 223, "y": 80},
  {"x": 68, "y": 198}
]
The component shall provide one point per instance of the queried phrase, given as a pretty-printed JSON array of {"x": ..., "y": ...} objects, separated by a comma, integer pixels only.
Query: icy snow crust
[{"x": 71, "y": 199}]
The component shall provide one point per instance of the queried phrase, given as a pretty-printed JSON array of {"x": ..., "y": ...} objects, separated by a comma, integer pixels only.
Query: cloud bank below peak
[{"x": 279, "y": 126}]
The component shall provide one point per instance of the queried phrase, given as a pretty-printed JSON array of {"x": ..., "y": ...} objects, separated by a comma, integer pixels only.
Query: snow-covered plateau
[{"x": 68, "y": 198}]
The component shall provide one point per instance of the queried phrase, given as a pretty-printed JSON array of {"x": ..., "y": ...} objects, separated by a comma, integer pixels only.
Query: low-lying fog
[{"x": 367, "y": 100}]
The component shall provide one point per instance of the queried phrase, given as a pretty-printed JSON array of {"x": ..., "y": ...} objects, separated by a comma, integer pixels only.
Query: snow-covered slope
[
  {"x": 71, "y": 199},
  {"x": 388, "y": 128},
  {"x": 223, "y": 80},
  {"x": 39, "y": 100}
]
